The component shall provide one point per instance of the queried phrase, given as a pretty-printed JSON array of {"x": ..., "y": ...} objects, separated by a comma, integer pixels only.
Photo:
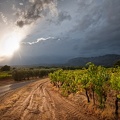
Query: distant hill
[{"x": 106, "y": 60}]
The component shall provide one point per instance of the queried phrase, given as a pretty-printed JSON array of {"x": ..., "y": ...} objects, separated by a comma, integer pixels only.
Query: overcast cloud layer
[{"x": 64, "y": 27}]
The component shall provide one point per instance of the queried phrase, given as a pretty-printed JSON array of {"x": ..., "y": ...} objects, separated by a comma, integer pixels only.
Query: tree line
[{"x": 22, "y": 74}]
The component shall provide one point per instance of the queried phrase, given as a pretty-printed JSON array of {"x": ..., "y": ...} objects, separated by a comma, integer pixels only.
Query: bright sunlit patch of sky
[{"x": 10, "y": 41}]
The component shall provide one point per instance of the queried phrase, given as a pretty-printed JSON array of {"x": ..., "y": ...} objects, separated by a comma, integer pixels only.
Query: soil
[
  {"x": 39, "y": 101},
  {"x": 6, "y": 82}
]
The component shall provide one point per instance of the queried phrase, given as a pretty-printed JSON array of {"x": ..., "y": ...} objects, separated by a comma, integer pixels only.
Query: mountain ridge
[{"x": 105, "y": 60}]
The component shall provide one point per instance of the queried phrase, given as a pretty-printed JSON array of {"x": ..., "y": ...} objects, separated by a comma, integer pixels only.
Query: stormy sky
[{"x": 64, "y": 28}]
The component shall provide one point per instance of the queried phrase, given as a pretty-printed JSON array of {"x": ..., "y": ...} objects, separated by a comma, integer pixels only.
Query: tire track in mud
[
  {"x": 20, "y": 103},
  {"x": 66, "y": 110},
  {"x": 38, "y": 101}
]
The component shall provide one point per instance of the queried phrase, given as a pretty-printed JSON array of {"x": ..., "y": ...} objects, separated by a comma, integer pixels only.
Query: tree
[
  {"x": 117, "y": 63},
  {"x": 5, "y": 68}
]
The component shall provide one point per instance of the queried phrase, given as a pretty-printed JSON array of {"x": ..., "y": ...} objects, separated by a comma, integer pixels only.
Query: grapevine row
[{"x": 95, "y": 81}]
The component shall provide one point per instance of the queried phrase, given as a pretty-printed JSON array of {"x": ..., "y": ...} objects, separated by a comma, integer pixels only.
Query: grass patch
[{"x": 5, "y": 75}]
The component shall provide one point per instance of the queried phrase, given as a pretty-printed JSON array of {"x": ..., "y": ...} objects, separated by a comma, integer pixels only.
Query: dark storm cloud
[
  {"x": 33, "y": 12},
  {"x": 63, "y": 16},
  {"x": 99, "y": 24},
  {"x": 21, "y": 23},
  {"x": 92, "y": 27}
]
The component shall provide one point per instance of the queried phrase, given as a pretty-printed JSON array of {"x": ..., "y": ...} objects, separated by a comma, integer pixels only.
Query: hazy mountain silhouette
[{"x": 106, "y": 60}]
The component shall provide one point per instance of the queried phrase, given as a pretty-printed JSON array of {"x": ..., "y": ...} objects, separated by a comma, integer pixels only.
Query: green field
[{"x": 5, "y": 75}]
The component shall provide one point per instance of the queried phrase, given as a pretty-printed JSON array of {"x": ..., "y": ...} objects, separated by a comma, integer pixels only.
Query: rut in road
[{"x": 37, "y": 101}]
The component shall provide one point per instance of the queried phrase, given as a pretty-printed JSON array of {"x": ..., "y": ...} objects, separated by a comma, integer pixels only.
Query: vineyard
[{"x": 99, "y": 84}]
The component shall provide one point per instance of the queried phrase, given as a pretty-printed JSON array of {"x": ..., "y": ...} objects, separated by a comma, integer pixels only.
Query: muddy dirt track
[{"x": 38, "y": 101}]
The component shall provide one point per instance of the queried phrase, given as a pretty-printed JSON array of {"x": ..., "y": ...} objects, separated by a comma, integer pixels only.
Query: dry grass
[{"x": 106, "y": 114}]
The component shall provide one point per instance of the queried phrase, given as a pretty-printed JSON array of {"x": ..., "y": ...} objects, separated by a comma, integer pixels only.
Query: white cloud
[
  {"x": 4, "y": 18},
  {"x": 21, "y": 3},
  {"x": 37, "y": 41}
]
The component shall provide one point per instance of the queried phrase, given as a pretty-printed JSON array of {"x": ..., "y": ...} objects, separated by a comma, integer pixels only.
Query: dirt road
[
  {"x": 7, "y": 88},
  {"x": 38, "y": 101}
]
